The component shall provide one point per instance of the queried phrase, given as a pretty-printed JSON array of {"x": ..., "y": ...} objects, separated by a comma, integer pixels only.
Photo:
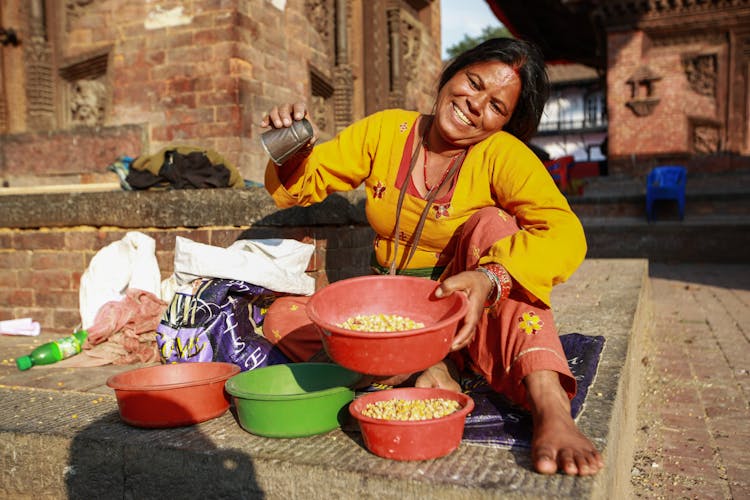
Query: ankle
[{"x": 545, "y": 393}]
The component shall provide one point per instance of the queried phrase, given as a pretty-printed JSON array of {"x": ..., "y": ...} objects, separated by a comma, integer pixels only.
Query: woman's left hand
[{"x": 476, "y": 286}]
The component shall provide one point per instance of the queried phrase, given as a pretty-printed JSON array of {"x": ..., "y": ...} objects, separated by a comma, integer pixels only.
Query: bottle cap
[
  {"x": 81, "y": 335},
  {"x": 24, "y": 362}
]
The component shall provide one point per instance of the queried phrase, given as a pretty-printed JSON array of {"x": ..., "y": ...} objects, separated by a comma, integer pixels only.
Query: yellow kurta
[{"x": 499, "y": 171}]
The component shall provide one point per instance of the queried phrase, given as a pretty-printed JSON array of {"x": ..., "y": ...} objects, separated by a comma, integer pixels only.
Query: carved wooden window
[
  {"x": 331, "y": 95},
  {"x": 40, "y": 83},
  {"x": 321, "y": 14},
  {"x": 643, "y": 98},
  {"x": 322, "y": 108},
  {"x": 595, "y": 109},
  {"x": 404, "y": 35},
  {"x": 84, "y": 91}
]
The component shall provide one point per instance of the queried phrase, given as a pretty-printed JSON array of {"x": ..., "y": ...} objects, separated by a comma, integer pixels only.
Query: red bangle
[{"x": 502, "y": 280}]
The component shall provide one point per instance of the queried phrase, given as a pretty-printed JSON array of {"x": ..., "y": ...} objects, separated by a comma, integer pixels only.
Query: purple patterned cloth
[
  {"x": 220, "y": 321},
  {"x": 498, "y": 422}
]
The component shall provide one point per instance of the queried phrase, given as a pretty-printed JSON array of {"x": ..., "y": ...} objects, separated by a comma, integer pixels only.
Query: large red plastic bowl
[
  {"x": 172, "y": 395},
  {"x": 386, "y": 353},
  {"x": 412, "y": 440}
]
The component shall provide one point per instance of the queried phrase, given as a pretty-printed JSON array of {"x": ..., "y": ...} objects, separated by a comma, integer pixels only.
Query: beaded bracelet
[{"x": 501, "y": 283}]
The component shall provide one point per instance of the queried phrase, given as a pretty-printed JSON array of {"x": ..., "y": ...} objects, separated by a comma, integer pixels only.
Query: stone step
[
  {"x": 721, "y": 194},
  {"x": 634, "y": 205},
  {"x": 709, "y": 238},
  {"x": 62, "y": 437}
]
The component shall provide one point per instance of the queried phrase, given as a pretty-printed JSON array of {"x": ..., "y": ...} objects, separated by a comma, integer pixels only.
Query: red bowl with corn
[
  {"x": 391, "y": 428},
  {"x": 386, "y": 352}
]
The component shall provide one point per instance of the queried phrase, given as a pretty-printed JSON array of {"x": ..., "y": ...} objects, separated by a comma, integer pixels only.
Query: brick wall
[
  {"x": 198, "y": 73},
  {"x": 665, "y": 135},
  {"x": 40, "y": 270},
  {"x": 66, "y": 156}
]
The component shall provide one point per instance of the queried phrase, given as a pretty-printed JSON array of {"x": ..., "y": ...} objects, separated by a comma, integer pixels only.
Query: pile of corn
[
  {"x": 380, "y": 323},
  {"x": 416, "y": 409}
]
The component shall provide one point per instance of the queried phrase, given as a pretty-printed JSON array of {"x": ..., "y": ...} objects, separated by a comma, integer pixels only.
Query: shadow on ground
[
  {"x": 110, "y": 459},
  {"x": 703, "y": 274}
]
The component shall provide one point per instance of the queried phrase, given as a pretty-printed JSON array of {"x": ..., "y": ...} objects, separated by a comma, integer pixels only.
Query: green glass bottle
[{"x": 52, "y": 352}]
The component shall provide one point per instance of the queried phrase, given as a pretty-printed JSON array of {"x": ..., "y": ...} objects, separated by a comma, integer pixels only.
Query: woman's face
[{"x": 476, "y": 102}]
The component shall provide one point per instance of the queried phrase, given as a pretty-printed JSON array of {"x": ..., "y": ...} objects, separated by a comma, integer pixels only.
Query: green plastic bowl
[{"x": 292, "y": 400}]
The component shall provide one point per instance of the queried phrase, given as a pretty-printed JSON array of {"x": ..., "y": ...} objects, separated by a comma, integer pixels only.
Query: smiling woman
[{"x": 458, "y": 197}]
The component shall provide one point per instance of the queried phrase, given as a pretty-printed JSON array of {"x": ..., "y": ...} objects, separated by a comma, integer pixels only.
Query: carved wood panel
[
  {"x": 701, "y": 73},
  {"x": 40, "y": 83},
  {"x": 376, "y": 70}
]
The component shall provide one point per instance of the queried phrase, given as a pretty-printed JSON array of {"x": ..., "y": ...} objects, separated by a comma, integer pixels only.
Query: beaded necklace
[
  {"x": 445, "y": 172},
  {"x": 450, "y": 172}
]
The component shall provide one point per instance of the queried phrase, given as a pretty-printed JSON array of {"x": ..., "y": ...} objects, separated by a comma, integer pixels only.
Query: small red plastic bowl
[
  {"x": 417, "y": 439},
  {"x": 172, "y": 395},
  {"x": 386, "y": 353}
]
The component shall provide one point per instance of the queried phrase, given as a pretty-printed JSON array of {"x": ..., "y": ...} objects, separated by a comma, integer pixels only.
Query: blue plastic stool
[{"x": 666, "y": 183}]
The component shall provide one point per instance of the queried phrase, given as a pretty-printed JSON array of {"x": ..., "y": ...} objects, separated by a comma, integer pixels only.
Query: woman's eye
[{"x": 473, "y": 83}]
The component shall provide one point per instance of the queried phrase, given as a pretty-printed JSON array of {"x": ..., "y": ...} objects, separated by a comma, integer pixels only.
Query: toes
[
  {"x": 544, "y": 460},
  {"x": 568, "y": 462},
  {"x": 547, "y": 460},
  {"x": 589, "y": 463}
]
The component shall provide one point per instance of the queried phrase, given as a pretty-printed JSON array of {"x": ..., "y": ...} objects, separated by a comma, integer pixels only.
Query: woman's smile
[{"x": 461, "y": 116}]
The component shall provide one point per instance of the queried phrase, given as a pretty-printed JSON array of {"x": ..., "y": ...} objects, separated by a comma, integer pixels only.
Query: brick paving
[{"x": 693, "y": 438}]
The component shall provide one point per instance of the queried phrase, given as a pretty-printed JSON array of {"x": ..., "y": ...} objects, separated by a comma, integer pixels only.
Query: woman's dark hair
[{"x": 528, "y": 62}]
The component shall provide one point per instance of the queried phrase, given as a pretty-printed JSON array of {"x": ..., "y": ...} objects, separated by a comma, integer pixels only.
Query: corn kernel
[
  {"x": 380, "y": 323},
  {"x": 408, "y": 410}
]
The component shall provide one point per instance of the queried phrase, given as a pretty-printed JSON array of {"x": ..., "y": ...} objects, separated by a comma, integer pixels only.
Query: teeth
[{"x": 461, "y": 116}]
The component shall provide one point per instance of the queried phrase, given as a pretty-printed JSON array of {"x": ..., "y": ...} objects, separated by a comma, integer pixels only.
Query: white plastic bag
[
  {"x": 128, "y": 263},
  {"x": 275, "y": 264}
]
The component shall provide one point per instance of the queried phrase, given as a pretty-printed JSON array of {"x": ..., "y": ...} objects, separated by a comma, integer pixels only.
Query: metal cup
[{"x": 281, "y": 143}]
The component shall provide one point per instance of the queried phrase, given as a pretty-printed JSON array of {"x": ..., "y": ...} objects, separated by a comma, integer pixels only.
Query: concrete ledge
[
  {"x": 717, "y": 237},
  {"x": 176, "y": 208},
  {"x": 72, "y": 443}
]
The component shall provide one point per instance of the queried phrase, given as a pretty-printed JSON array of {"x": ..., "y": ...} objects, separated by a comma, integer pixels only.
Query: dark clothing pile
[{"x": 183, "y": 167}]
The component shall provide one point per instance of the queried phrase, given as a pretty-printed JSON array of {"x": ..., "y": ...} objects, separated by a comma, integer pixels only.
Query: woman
[{"x": 458, "y": 197}]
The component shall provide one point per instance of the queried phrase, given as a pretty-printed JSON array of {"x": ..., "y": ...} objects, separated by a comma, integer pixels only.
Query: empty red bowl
[
  {"x": 415, "y": 439},
  {"x": 172, "y": 395},
  {"x": 386, "y": 353}
]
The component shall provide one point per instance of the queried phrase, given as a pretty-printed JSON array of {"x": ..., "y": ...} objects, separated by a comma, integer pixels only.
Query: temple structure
[
  {"x": 89, "y": 80},
  {"x": 676, "y": 73}
]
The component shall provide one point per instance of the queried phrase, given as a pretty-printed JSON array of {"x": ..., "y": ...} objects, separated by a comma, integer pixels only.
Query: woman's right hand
[
  {"x": 476, "y": 286},
  {"x": 282, "y": 116}
]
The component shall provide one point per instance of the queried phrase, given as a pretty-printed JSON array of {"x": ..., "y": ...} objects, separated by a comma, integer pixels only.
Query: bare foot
[
  {"x": 441, "y": 375},
  {"x": 557, "y": 443}
]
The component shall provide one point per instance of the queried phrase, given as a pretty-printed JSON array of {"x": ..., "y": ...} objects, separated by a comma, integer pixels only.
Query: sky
[{"x": 463, "y": 17}]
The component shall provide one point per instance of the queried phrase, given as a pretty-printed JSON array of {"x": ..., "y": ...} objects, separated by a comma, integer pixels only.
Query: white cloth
[
  {"x": 275, "y": 264},
  {"x": 22, "y": 326},
  {"x": 128, "y": 263}
]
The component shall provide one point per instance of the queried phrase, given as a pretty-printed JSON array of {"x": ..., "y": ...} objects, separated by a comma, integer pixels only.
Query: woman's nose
[{"x": 475, "y": 102}]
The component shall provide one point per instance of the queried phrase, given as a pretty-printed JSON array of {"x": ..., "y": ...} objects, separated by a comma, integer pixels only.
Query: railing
[{"x": 573, "y": 124}]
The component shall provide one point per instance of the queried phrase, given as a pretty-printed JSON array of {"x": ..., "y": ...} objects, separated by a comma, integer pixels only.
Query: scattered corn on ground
[
  {"x": 416, "y": 409},
  {"x": 380, "y": 323}
]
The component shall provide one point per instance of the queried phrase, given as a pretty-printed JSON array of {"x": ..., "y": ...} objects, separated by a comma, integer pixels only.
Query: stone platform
[{"x": 62, "y": 437}]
